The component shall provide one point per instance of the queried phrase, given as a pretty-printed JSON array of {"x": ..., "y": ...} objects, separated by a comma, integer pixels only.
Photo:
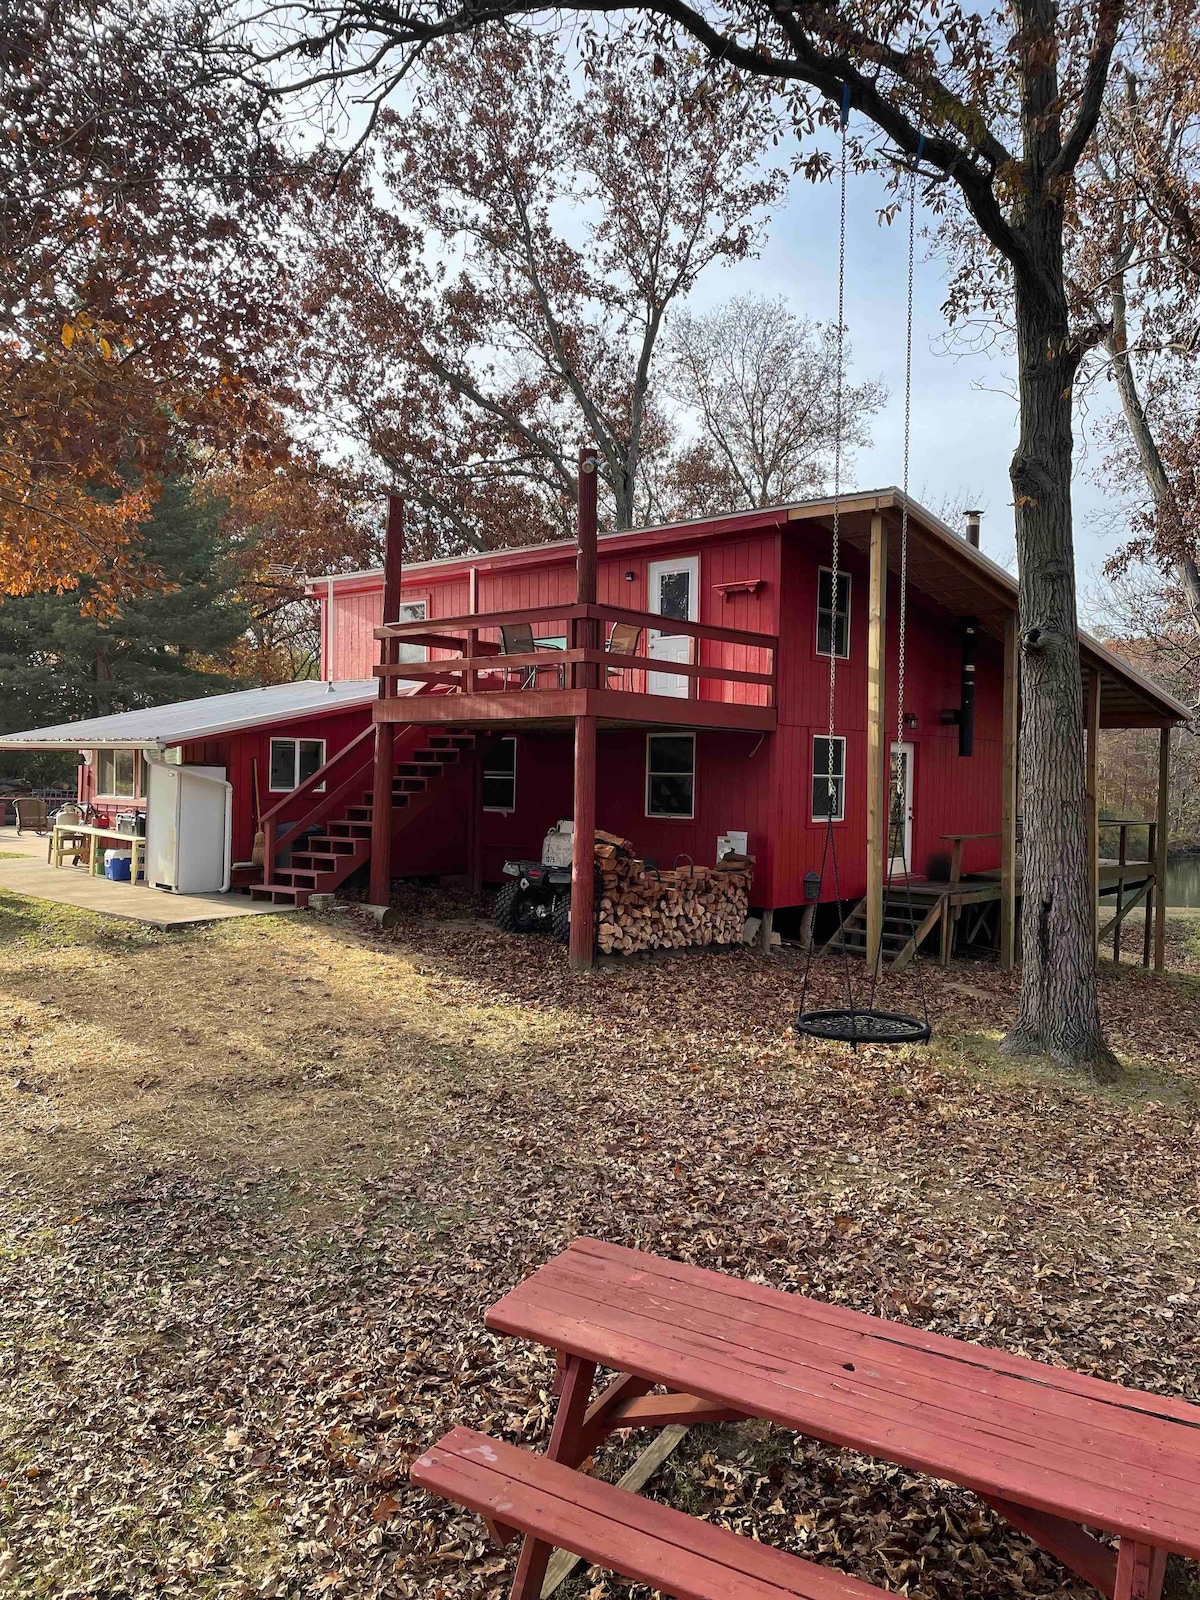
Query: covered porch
[{"x": 1117, "y": 696}]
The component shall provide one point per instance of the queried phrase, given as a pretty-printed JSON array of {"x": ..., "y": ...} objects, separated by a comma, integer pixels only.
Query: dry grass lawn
[{"x": 258, "y": 1183}]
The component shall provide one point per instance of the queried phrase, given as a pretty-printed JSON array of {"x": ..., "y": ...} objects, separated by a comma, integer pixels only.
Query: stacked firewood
[{"x": 644, "y": 908}]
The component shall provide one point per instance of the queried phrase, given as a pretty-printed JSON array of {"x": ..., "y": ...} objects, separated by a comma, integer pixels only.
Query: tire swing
[{"x": 852, "y": 1023}]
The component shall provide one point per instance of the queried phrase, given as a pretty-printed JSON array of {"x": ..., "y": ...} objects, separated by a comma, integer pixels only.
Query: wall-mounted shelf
[{"x": 741, "y": 586}]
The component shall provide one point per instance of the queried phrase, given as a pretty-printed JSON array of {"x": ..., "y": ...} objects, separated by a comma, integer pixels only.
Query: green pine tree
[{"x": 58, "y": 664}]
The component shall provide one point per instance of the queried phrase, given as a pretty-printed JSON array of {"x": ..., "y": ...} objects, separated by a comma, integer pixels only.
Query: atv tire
[
  {"x": 562, "y": 920},
  {"x": 514, "y": 911}
]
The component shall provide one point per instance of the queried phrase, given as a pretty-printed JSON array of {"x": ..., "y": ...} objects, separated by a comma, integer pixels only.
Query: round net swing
[{"x": 854, "y": 1023}]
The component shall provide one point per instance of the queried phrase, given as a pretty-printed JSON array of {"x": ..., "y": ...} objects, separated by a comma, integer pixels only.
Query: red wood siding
[
  {"x": 732, "y": 791},
  {"x": 762, "y": 786},
  {"x": 951, "y": 794}
]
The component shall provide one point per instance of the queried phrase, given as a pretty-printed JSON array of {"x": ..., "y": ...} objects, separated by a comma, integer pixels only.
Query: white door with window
[
  {"x": 900, "y": 811},
  {"x": 674, "y": 591}
]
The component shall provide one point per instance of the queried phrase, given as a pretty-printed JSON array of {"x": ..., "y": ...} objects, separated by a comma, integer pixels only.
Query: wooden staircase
[
  {"x": 325, "y": 855},
  {"x": 910, "y": 914}
]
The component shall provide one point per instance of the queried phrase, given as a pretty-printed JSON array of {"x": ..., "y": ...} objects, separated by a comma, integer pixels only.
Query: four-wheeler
[{"x": 538, "y": 899}]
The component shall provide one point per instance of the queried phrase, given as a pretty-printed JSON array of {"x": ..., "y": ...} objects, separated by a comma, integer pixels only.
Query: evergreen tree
[{"x": 165, "y": 643}]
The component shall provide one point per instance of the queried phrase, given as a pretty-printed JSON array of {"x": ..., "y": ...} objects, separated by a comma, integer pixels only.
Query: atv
[{"x": 538, "y": 899}]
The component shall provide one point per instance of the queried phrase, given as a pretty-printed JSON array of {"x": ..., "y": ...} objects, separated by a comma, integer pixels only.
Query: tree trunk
[
  {"x": 102, "y": 678},
  {"x": 1059, "y": 1012}
]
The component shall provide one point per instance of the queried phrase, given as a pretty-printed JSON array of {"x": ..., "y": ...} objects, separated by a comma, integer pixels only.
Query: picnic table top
[{"x": 1004, "y": 1426}]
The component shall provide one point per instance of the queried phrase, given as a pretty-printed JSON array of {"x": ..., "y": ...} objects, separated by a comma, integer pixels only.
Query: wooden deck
[
  {"x": 915, "y": 908},
  {"x": 559, "y": 708},
  {"x": 728, "y": 679}
]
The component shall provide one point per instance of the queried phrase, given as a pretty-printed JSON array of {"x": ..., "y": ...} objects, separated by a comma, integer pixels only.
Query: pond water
[{"x": 1183, "y": 881}]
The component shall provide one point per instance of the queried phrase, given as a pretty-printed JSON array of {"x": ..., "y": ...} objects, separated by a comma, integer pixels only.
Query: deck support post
[
  {"x": 1093, "y": 798},
  {"x": 1008, "y": 797},
  {"x": 385, "y": 732},
  {"x": 586, "y": 674},
  {"x": 583, "y": 853},
  {"x": 877, "y": 751},
  {"x": 1160, "y": 849}
]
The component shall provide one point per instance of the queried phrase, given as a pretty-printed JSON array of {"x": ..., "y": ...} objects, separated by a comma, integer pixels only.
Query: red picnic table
[{"x": 1052, "y": 1452}]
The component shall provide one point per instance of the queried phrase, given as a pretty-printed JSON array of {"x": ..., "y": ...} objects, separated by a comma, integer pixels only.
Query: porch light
[{"x": 631, "y": 576}]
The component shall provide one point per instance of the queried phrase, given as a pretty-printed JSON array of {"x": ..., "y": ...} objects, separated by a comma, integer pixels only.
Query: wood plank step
[{"x": 609, "y": 1527}]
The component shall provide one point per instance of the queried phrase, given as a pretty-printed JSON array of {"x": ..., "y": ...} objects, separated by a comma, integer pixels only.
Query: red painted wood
[
  {"x": 609, "y": 1527},
  {"x": 1105, "y": 1479},
  {"x": 946, "y": 1380},
  {"x": 583, "y": 868},
  {"x": 1095, "y": 1563},
  {"x": 566, "y": 1449},
  {"x": 664, "y": 1410},
  {"x": 1140, "y": 1571}
]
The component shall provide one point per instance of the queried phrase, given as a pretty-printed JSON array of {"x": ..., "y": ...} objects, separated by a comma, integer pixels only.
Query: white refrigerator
[{"x": 189, "y": 828}]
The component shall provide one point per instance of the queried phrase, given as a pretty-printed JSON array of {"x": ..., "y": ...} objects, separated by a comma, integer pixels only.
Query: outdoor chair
[
  {"x": 623, "y": 641},
  {"x": 31, "y": 814},
  {"x": 518, "y": 640}
]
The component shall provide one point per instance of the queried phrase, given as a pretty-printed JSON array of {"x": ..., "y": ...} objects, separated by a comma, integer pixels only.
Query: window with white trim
[
  {"x": 822, "y": 781},
  {"x": 120, "y": 774},
  {"x": 833, "y": 622},
  {"x": 293, "y": 761},
  {"x": 413, "y": 611},
  {"x": 670, "y": 774},
  {"x": 500, "y": 777}
]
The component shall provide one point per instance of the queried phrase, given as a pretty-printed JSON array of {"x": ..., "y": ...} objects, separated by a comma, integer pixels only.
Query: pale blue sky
[{"x": 964, "y": 407}]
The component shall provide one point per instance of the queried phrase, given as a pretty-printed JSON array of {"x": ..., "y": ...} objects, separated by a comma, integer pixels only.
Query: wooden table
[
  {"x": 1051, "y": 1451},
  {"x": 72, "y": 838}
]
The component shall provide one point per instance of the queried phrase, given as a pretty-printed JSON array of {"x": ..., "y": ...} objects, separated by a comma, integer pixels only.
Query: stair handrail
[
  {"x": 268, "y": 821},
  {"x": 326, "y": 802}
]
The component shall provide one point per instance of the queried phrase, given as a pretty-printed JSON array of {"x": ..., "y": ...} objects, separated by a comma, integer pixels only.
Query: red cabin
[{"x": 670, "y": 685}]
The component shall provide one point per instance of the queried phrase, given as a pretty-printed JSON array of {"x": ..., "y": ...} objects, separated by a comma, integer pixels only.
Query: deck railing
[{"x": 727, "y": 664}]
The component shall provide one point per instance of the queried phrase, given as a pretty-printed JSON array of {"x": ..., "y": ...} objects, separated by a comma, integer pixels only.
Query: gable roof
[{"x": 204, "y": 718}]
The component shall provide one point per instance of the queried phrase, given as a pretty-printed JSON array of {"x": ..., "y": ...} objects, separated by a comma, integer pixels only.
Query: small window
[
  {"x": 500, "y": 777},
  {"x": 115, "y": 774},
  {"x": 293, "y": 761},
  {"x": 413, "y": 611},
  {"x": 822, "y": 783},
  {"x": 833, "y": 626},
  {"x": 671, "y": 775}
]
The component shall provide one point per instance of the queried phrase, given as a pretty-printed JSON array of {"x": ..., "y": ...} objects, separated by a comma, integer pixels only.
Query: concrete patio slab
[{"x": 24, "y": 870}]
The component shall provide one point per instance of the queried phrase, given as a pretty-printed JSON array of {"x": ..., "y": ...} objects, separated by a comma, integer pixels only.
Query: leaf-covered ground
[{"x": 258, "y": 1184}]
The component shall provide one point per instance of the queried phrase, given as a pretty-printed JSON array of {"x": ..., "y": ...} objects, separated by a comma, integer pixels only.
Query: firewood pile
[{"x": 644, "y": 908}]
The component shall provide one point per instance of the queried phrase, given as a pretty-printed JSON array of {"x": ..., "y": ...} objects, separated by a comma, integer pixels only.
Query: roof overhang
[
  {"x": 184, "y": 722},
  {"x": 960, "y": 578}
]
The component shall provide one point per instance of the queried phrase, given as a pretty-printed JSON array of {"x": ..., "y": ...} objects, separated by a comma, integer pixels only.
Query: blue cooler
[{"x": 118, "y": 865}]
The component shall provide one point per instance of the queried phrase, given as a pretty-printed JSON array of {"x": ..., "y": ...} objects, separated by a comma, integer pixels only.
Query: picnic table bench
[{"x": 1051, "y": 1451}]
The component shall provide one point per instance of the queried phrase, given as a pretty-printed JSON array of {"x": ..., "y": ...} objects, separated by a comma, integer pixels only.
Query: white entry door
[
  {"x": 900, "y": 811},
  {"x": 674, "y": 591}
]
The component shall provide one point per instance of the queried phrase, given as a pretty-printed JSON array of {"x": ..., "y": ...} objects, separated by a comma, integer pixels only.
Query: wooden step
[
  {"x": 625, "y": 1533},
  {"x": 280, "y": 894}
]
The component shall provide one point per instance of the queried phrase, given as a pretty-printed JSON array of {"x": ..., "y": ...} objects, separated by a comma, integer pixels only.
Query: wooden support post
[
  {"x": 586, "y": 674},
  {"x": 1162, "y": 823},
  {"x": 475, "y": 825},
  {"x": 877, "y": 751},
  {"x": 1093, "y": 797},
  {"x": 1151, "y": 895},
  {"x": 583, "y": 856},
  {"x": 1008, "y": 796},
  {"x": 385, "y": 732},
  {"x": 765, "y": 930}
]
